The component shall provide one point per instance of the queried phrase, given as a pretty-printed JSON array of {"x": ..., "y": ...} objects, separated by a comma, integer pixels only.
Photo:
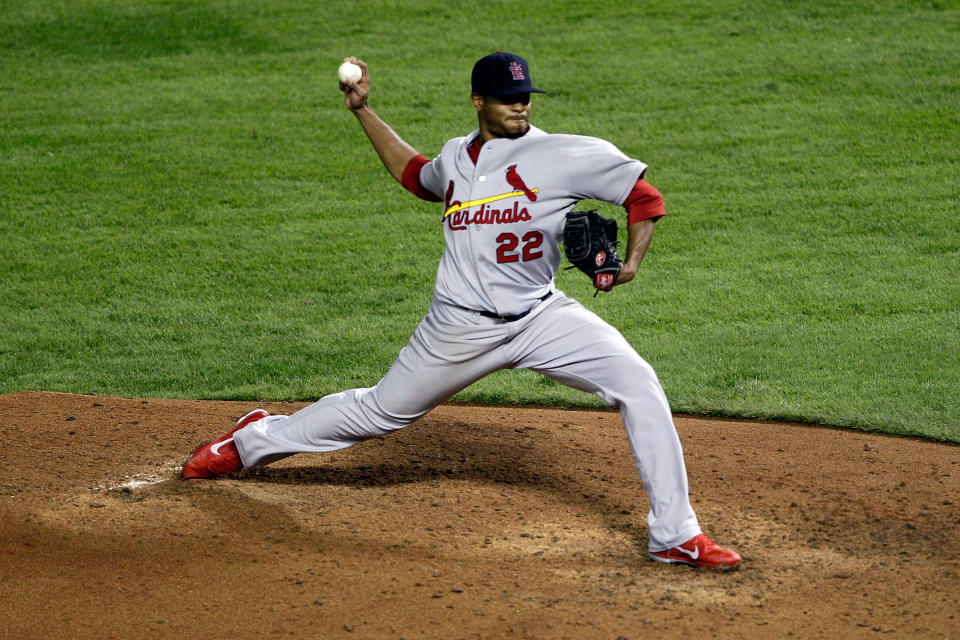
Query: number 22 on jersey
[{"x": 510, "y": 248}]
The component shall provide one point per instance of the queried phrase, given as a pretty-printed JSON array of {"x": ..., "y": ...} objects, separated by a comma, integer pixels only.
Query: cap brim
[{"x": 512, "y": 91}]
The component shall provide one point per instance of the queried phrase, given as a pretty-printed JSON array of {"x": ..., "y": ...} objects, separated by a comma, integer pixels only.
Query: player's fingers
[
  {"x": 363, "y": 68},
  {"x": 357, "y": 61}
]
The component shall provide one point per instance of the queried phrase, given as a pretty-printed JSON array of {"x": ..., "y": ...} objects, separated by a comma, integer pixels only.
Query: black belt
[{"x": 488, "y": 314}]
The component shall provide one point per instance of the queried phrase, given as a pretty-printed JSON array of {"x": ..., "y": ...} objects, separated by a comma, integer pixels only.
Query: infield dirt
[{"x": 475, "y": 522}]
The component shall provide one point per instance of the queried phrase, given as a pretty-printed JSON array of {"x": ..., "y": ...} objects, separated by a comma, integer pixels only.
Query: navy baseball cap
[{"x": 502, "y": 74}]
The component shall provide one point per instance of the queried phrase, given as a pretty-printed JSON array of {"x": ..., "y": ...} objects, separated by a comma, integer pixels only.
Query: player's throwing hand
[{"x": 356, "y": 93}]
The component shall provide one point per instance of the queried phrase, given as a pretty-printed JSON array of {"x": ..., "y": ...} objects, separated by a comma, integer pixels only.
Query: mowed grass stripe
[{"x": 188, "y": 210}]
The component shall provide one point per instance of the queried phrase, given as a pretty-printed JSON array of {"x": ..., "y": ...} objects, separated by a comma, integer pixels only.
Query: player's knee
[
  {"x": 635, "y": 377},
  {"x": 383, "y": 417}
]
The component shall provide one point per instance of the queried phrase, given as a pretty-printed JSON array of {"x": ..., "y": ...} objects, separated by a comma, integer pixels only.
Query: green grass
[{"x": 188, "y": 210}]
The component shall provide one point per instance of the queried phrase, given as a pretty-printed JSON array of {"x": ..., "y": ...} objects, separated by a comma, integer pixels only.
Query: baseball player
[{"x": 506, "y": 189}]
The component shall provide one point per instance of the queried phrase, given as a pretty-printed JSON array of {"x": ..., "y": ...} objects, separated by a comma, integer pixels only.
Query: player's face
[{"x": 503, "y": 116}]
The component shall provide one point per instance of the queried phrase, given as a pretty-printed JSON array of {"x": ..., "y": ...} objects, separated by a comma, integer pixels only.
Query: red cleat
[
  {"x": 219, "y": 456},
  {"x": 700, "y": 551}
]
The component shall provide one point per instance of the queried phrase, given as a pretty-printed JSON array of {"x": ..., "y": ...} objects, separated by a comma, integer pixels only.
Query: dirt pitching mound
[{"x": 472, "y": 523}]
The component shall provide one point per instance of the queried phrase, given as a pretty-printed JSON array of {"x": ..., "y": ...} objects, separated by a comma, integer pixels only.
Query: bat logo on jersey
[
  {"x": 458, "y": 214},
  {"x": 456, "y": 206},
  {"x": 515, "y": 181}
]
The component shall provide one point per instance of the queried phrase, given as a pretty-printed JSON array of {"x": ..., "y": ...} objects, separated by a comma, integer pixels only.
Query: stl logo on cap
[{"x": 516, "y": 70}]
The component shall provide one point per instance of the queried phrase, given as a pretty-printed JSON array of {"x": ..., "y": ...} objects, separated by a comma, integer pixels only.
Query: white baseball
[{"x": 349, "y": 72}]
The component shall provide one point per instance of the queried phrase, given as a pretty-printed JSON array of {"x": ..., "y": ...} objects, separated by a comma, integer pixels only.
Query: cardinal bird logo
[{"x": 515, "y": 181}]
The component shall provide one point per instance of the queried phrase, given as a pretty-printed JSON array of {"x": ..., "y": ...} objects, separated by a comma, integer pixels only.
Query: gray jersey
[{"x": 504, "y": 215}]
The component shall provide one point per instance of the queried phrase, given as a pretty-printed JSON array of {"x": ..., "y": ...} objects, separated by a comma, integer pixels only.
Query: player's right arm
[{"x": 394, "y": 151}]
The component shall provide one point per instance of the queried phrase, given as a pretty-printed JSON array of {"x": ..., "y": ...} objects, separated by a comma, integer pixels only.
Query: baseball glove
[{"x": 590, "y": 243}]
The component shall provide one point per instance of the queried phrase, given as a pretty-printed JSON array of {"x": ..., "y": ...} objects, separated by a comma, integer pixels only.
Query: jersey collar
[{"x": 474, "y": 146}]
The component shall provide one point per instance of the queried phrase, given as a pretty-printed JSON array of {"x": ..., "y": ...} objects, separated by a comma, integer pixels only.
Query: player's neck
[{"x": 486, "y": 136}]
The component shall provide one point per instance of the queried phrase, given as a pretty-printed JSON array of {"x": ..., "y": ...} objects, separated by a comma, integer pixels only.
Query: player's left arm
[
  {"x": 644, "y": 207},
  {"x": 639, "y": 236}
]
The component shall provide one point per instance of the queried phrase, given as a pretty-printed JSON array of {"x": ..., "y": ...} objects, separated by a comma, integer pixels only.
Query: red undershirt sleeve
[
  {"x": 411, "y": 179},
  {"x": 644, "y": 203}
]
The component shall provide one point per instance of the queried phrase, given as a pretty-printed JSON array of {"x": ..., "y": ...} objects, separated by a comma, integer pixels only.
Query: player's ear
[{"x": 477, "y": 101}]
